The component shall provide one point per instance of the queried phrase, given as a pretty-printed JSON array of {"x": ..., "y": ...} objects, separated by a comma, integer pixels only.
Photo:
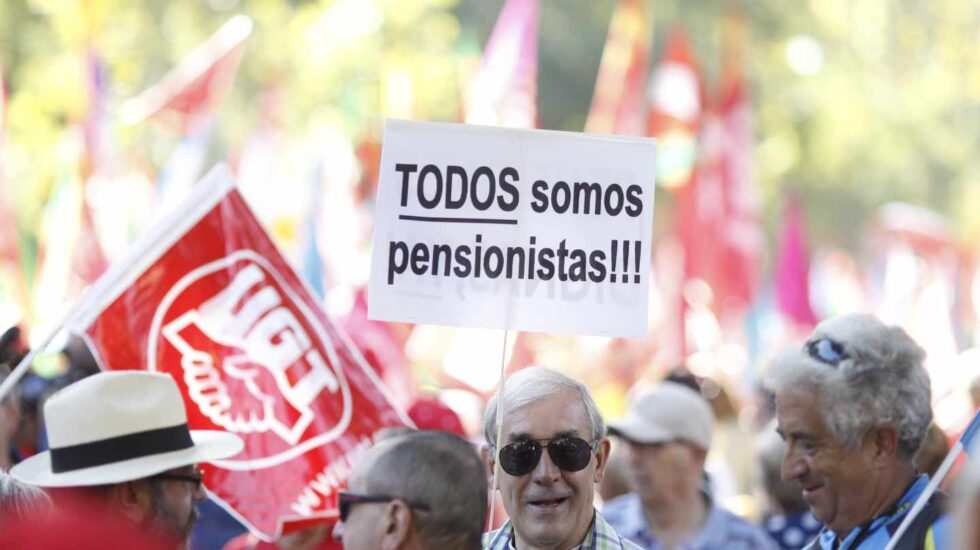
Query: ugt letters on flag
[{"x": 207, "y": 298}]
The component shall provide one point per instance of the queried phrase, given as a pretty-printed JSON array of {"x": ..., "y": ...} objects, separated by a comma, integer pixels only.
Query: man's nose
[
  {"x": 793, "y": 466},
  {"x": 545, "y": 472},
  {"x": 199, "y": 493}
]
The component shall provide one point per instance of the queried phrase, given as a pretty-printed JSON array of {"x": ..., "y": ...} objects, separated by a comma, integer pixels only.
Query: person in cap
[
  {"x": 120, "y": 447},
  {"x": 417, "y": 490},
  {"x": 552, "y": 453},
  {"x": 853, "y": 405},
  {"x": 667, "y": 434}
]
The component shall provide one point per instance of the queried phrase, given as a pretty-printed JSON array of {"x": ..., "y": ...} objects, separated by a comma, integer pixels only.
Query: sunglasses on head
[
  {"x": 521, "y": 457},
  {"x": 346, "y": 500},
  {"x": 827, "y": 351}
]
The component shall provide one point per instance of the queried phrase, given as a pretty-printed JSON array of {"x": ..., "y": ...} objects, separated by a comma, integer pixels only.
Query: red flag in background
[
  {"x": 88, "y": 258},
  {"x": 675, "y": 118},
  {"x": 741, "y": 231},
  {"x": 197, "y": 85},
  {"x": 618, "y": 101},
  {"x": 676, "y": 99},
  {"x": 13, "y": 285},
  {"x": 383, "y": 346},
  {"x": 793, "y": 267},
  {"x": 187, "y": 99},
  {"x": 504, "y": 91},
  {"x": 207, "y": 297}
]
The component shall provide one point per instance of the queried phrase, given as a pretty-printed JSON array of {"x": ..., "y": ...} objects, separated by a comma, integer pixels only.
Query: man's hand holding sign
[{"x": 531, "y": 230}]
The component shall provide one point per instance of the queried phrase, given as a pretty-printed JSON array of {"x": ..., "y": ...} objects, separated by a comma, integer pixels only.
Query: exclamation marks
[
  {"x": 626, "y": 261},
  {"x": 614, "y": 263},
  {"x": 636, "y": 261}
]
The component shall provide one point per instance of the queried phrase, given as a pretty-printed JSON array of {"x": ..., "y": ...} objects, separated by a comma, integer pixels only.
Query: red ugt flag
[{"x": 208, "y": 298}]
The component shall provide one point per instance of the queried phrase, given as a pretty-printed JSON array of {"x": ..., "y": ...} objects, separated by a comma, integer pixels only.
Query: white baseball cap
[{"x": 669, "y": 412}]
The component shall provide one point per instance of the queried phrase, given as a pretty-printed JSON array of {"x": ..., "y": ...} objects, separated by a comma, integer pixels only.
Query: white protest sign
[{"x": 517, "y": 229}]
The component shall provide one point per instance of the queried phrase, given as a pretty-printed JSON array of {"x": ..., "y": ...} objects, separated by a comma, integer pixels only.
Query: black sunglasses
[
  {"x": 345, "y": 500},
  {"x": 570, "y": 454},
  {"x": 827, "y": 351},
  {"x": 197, "y": 478}
]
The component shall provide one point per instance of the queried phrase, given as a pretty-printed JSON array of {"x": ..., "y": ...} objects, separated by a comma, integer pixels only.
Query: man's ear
[
  {"x": 133, "y": 499},
  {"x": 602, "y": 458},
  {"x": 883, "y": 441},
  {"x": 488, "y": 459},
  {"x": 397, "y": 521}
]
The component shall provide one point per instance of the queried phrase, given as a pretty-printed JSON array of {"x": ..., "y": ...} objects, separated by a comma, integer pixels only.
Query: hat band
[{"x": 123, "y": 447}]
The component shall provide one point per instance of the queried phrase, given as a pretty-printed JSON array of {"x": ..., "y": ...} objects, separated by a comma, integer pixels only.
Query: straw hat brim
[{"x": 208, "y": 445}]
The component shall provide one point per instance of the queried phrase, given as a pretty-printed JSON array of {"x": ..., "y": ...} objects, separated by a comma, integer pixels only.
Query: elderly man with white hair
[
  {"x": 853, "y": 405},
  {"x": 553, "y": 452}
]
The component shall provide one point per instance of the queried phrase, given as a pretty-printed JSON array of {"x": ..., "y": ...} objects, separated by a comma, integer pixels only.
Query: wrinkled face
[
  {"x": 663, "y": 473},
  {"x": 835, "y": 481},
  {"x": 173, "y": 514},
  {"x": 550, "y": 507}
]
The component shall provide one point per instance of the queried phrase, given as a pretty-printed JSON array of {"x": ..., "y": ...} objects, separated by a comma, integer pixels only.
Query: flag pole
[
  {"x": 933, "y": 485},
  {"x": 500, "y": 431}
]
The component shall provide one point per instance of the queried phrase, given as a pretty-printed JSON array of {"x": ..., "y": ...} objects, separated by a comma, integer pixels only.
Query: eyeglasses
[
  {"x": 827, "y": 351},
  {"x": 345, "y": 500},
  {"x": 570, "y": 454},
  {"x": 197, "y": 478}
]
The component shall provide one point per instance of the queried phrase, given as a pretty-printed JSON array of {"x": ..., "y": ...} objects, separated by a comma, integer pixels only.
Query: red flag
[
  {"x": 793, "y": 267},
  {"x": 383, "y": 347},
  {"x": 504, "y": 91},
  {"x": 13, "y": 286},
  {"x": 676, "y": 100},
  {"x": 618, "y": 102},
  {"x": 741, "y": 232},
  {"x": 88, "y": 258},
  {"x": 194, "y": 89},
  {"x": 208, "y": 298}
]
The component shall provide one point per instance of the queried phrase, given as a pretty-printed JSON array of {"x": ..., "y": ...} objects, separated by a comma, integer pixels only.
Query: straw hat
[{"x": 119, "y": 426}]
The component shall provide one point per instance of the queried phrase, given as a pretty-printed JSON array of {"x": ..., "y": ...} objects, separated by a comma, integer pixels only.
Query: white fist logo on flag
[{"x": 269, "y": 354}]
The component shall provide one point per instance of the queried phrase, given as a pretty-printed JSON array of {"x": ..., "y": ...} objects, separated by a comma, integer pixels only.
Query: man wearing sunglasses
[
  {"x": 552, "y": 453},
  {"x": 853, "y": 405},
  {"x": 667, "y": 434},
  {"x": 417, "y": 490}
]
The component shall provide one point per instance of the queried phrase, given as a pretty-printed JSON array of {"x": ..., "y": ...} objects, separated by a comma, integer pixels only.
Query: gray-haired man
[
  {"x": 416, "y": 490},
  {"x": 853, "y": 408},
  {"x": 552, "y": 455}
]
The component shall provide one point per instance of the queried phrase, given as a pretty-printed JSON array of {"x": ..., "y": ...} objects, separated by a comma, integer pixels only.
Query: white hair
[
  {"x": 535, "y": 383},
  {"x": 882, "y": 382}
]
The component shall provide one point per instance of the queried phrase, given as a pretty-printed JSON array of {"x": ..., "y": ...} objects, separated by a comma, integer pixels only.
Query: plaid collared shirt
[{"x": 601, "y": 536}]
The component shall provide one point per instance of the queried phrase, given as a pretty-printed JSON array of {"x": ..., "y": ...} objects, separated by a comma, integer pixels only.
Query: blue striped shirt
[{"x": 722, "y": 530}]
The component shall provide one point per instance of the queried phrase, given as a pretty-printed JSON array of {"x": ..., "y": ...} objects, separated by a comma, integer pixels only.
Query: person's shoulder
[
  {"x": 492, "y": 539},
  {"x": 940, "y": 533},
  {"x": 741, "y": 530},
  {"x": 608, "y": 537},
  {"x": 620, "y": 503},
  {"x": 627, "y": 544}
]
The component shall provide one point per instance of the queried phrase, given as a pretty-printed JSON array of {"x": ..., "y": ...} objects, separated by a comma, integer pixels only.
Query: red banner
[{"x": 209, "y": 299}]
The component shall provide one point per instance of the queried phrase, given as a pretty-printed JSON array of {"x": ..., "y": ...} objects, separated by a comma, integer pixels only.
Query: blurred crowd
[{"x": 838, "y": 453}]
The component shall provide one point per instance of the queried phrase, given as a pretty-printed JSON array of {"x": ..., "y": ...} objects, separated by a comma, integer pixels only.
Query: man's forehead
[{"x": 556, "y": 415}]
